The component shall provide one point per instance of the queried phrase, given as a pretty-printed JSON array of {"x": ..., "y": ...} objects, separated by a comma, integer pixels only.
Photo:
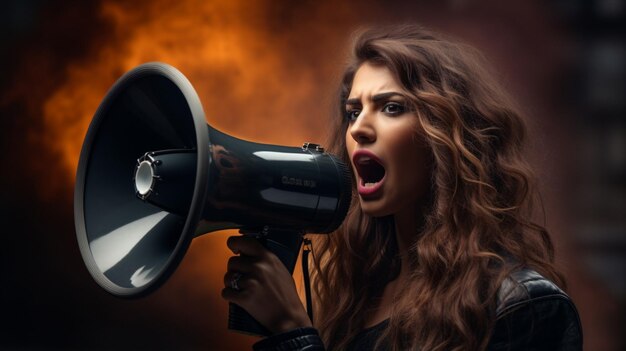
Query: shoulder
[
  {"x": 533, "y": 313},
  {"x": 525, "y": 286}
]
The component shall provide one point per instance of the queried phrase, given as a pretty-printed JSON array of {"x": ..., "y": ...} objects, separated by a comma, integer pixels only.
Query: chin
[{"x": 375, "y": 209}]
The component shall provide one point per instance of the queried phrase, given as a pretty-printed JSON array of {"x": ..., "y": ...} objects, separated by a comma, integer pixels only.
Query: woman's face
[{"x": 388, "y": 155}]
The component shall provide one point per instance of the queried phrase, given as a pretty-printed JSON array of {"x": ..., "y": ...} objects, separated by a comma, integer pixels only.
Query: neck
[{"x": 407, "y": 226}]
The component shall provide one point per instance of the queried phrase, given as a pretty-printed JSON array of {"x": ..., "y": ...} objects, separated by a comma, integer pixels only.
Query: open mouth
[{"x": 371, "y": 172}]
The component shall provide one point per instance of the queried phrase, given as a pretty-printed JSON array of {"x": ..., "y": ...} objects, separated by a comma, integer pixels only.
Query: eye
[
  {"x": 352, "y": 114},
  {"x": 394, "y": 108}
]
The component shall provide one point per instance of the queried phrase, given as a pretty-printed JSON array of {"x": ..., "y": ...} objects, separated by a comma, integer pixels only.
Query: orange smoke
[{"x": 248, "y": 82}]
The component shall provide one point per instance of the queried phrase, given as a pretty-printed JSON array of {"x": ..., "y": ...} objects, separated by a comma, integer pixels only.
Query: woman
[{"x": 439, "y": 251}]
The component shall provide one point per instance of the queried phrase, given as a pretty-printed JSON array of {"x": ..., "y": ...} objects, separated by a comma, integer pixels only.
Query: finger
[
  {"x": 246, "y": 245},
  {"x": 242, "y": 297},
  {"x": 231, "y": 295},
  {"x": 231, "y": 243},
  {"x": 242, "y": 280},
  {"x": 243, "y": 264}
]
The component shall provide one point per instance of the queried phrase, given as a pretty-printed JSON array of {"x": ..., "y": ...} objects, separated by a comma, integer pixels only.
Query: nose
[{"x": 362, "y": 129}]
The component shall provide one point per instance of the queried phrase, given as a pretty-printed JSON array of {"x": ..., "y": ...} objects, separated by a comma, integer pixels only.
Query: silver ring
[{"x": 234, "y": 283}]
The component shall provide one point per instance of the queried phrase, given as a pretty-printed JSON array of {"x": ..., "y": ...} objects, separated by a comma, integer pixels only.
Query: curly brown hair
[{"x": 478, "y": 226}]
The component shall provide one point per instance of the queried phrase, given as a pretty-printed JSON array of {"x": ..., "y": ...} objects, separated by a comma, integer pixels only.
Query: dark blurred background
[{"x": 266, "y": 71}]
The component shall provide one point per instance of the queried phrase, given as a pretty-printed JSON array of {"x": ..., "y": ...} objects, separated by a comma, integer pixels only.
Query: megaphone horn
[{"x": 152, "y": 175}]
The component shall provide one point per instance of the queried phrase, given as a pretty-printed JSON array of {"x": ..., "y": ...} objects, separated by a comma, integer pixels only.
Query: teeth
[
  {"x": 369, "y": 185},
  {"x": 364, "y": 160}
]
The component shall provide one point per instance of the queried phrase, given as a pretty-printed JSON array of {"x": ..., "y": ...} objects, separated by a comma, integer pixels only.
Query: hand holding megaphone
[{"x": 260, "y": 283}]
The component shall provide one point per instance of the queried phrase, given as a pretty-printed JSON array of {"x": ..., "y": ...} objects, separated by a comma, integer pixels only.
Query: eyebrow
[{"x": 376, "y": 98}]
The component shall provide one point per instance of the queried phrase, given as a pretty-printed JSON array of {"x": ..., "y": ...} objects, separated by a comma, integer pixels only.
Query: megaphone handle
[
  {"x": 241, "y": 321},
  {"x": 285, "y": 245}
]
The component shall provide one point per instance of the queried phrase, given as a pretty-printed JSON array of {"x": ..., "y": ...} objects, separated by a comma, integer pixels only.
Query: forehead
[{"x": 371, "y": 79}]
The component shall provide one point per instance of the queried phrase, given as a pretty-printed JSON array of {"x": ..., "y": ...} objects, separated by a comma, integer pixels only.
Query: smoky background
[{"x": 267, "y": 71}]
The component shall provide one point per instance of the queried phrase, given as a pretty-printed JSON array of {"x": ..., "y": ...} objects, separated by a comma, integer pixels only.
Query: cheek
[
  {"x": 412, "y": 185},
  {"x": 350, "y": 143},
  {"x": 414, "y": 164}
]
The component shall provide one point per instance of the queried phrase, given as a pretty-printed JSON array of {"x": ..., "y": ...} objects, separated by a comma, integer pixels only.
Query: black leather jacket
[{"x": 532, "y": 313}]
